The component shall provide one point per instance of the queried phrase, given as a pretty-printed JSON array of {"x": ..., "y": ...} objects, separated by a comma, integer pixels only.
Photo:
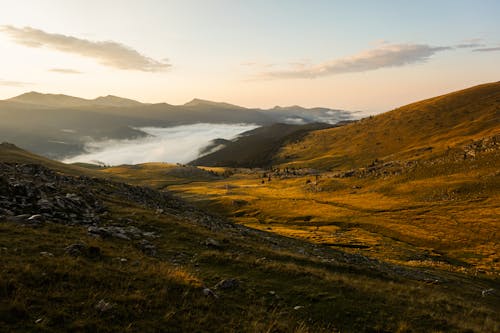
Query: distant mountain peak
[
  {"x": 60, "y": 100},
  {"x": 278, "y": 107},
  {"x": 49, "y": 100},
  {"x": 112, "y": 100},
  {"x": 196, "y": 102}
]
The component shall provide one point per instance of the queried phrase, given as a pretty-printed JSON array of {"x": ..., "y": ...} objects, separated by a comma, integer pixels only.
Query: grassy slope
[
  {"x": 256, "y": 148},
  {"x": 431, "y": 207},
  {"x": 12, "y": 154},
  {"x": 158, "y": 175},
  {"x": 404, "y": 133},
  {"x": 285, "y": 285},
  {"x": 438, "y": 221}
]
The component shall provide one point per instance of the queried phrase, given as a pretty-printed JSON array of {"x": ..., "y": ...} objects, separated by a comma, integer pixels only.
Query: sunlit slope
[
  {"x": 416, "y": 130},
  {"x": 160, "y": 175}
]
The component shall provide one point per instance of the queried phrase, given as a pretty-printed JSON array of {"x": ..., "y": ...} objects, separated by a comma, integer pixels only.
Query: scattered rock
[
  {"x": 227, "y": 284},
  {"x": 31, "y": 194},
  {"x": 83, "y": 250},
  {"x": 210, "y": 242},
  {"x": 103, "y": 306},
  {"x": 36, "y": 217},
  {"x": 19, "y": 218},
  {"x": 487, "y": 292},
  {"x": 125, "y": 233},
  {"x": 208, "y": 292},
  {"x": 147, "y": 248}
]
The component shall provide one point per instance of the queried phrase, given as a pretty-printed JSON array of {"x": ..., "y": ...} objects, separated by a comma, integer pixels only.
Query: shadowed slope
[
  {"x": 10, "y": 153},
  {"x": 255, "y": 148}
]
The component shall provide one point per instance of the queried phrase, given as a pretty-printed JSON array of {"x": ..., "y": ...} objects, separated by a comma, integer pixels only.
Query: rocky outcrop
[
  {"x": 381, "y": 169},
  {"x": 31, "y": 193}
]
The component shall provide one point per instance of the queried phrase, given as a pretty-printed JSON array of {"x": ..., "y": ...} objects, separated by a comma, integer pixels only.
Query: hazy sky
[{"x": 357, "y": 55}]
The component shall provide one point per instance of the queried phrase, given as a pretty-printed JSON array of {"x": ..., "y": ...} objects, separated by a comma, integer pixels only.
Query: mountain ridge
[
  {"x": 62, "y": 100},
  {"x": 59, "y": 126}
]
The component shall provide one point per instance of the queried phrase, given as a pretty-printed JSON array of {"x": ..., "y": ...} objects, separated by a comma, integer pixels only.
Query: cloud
[
  {"x": 65, "y": 71},
  {"x": 6, "y": 83},
  {"x": 470, "y": 43},
  {"x": 382, "y": 56},
  {"x": 107, "y": 53},
  {"x": 487, "y": 49},
  {"x": 180, "y": 144}
]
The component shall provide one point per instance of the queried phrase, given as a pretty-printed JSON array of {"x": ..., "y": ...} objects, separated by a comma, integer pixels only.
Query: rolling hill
[
  {"x": 419, "y": 130},
  {"x": 255, "y": 148},
  {"x": 417, "y": 185}
]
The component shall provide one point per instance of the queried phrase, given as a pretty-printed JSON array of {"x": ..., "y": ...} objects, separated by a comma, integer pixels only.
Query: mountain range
[
  {"x": 58, "y": 126},
  {"x": 384, "y": 224}
]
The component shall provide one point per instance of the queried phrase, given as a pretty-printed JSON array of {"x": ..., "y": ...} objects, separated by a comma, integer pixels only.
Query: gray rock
[
  {"x": 210, "y": 242},
  {"x": 227, "y": 284},
  {"x": 208, "y": 292},
  {"x": 487, "y": 292},
  {"x": 147, "y": 248},
  {"x": 103, "y": 306},
  {"x": 83, "y": 250}
]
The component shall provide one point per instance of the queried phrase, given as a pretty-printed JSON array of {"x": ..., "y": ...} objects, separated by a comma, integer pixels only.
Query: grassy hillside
[
  {"x": 10, "y": 153},
  {"x": 160, "y": 175},
  {"x": 141, "y": 260},
  {"x": 416, "y": 186},
  {"x": 356, "y": 231},
  {"x": 417, "y": 130},
  {"x": 256, "y": 148}
]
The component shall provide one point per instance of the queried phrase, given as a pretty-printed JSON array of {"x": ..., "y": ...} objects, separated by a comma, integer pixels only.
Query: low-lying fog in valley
[{"x": 179, "y": 144}]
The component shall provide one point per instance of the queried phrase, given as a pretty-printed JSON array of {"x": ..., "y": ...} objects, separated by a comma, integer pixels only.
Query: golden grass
[
  {"x": 404, "y": 133},
  {"x": 446, "y": 219}
]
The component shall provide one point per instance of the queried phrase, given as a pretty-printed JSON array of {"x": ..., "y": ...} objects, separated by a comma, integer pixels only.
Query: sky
[{"x": 367, "y": 55}]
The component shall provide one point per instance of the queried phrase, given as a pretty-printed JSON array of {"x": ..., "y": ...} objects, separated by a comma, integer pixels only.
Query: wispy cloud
[
  {"x": 108, "y": 53},
  {"x": 65, "y": 71},
  {"x": 469, "y": 46},
  {"x": 470, "y": 43},
  {"x": 382, "y": 56},
  {"x": 7, "y": 83},
  {"x": 487, "y": 49}
]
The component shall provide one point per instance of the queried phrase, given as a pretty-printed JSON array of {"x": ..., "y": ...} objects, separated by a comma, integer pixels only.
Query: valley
[
  {"x": 250, "y": 166},
  {"x": 364, "y": 226}
]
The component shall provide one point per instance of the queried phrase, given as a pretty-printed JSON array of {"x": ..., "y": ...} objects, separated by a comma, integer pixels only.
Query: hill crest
[{"x": 421, "y": 128}]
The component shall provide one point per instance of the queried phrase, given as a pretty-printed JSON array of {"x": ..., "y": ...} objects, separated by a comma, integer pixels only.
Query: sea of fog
[{"x": 179, "y": 144}]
